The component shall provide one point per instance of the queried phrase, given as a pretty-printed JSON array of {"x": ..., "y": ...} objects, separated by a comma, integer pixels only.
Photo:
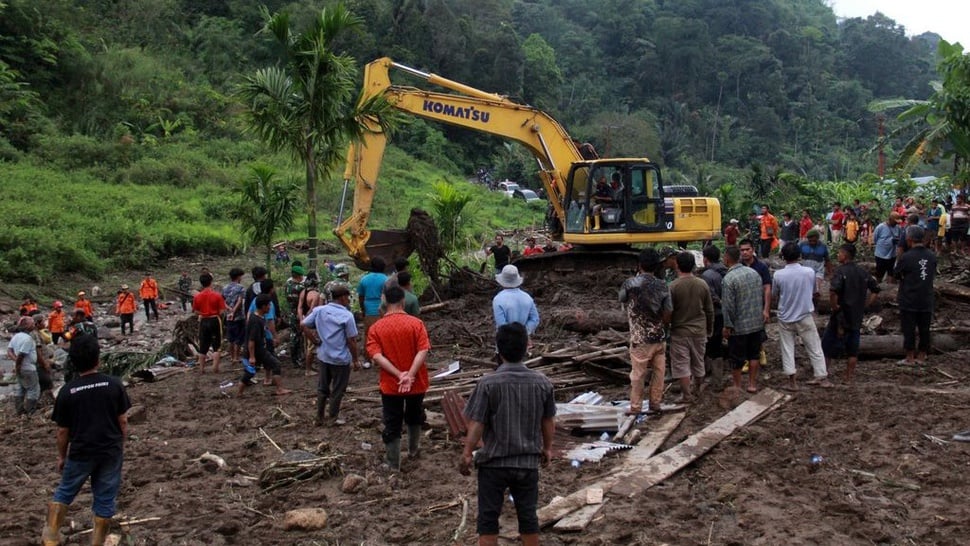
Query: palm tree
[
  {"x": 308, "y": 106},
  {"x": 941, "y": 122},
  {"x": 266, "y": 207}
]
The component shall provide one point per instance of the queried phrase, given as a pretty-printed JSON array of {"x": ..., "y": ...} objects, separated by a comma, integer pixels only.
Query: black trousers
[
  {"x": 150, "y": 305},
  {"x": 522, "y": 484},
  {"x": 911, "y": 321},
  {"x": 332, "y": 384},
  {"x": 398, "y": 409},
  {"x": 129, "y": 319}
]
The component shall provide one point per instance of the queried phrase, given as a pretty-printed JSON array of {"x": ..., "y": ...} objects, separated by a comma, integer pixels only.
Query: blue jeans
[{"x": 105, "y": 474}]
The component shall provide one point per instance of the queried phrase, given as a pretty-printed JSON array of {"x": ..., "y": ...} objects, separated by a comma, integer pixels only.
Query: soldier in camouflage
[{"x": 294, "y": 287}]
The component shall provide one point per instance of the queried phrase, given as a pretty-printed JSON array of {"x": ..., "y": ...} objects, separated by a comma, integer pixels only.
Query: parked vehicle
[{"x": 526, "y": 195}]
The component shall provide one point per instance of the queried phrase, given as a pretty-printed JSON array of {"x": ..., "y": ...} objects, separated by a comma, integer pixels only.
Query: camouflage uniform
[{"x": 293, "y": 290}]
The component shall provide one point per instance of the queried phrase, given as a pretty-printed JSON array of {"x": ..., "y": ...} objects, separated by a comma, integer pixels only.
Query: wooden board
[
  {"x": 662, "y": 466},
  {"x": 579, "y": 519},
  {"x": 563, "y": 506}
]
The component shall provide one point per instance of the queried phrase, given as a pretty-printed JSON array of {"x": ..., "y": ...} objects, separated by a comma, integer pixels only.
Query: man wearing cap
[
  {"x": 884, "y": 241},
  {"x": 209, "y": 305},
  {"x": 668, "y": 261},
  {"x": 513, "y": 304},
  {"x": 731, "y": 233},
  {"x": 55, "y": 322},
  {"x": 815, "y": 255},
  {"x": 649, "y": 310},
  {"x": 292, "y": 290},
  {"x": 149, "y": 295},
  {"x": 125, "y": 308},
  {"x": 84, "y": 304},
  {"x": 342, "y": 274}
]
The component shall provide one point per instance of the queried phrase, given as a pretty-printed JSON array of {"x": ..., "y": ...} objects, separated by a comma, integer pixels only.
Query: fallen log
[
  {"x": 890, "y": 346},
  {"x": 586, "y": 321}
]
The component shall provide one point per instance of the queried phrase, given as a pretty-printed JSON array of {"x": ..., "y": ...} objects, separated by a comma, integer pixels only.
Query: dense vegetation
[{"x": 121, "y": 140}]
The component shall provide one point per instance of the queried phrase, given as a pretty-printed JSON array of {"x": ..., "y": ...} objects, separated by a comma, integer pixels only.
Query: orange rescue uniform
[
  {"x": 126, "y": 304},
  {"x": 55, "y": 321},
  {"x": 84, "y": 305},
  {"x": 148, "y": 289}
]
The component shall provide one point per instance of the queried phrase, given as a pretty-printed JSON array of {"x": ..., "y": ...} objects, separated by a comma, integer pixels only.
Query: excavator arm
[{"x": 465, "y": 106}]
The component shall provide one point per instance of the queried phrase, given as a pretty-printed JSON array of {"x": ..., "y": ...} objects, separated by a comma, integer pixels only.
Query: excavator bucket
[{"x": 387, "y": 245}]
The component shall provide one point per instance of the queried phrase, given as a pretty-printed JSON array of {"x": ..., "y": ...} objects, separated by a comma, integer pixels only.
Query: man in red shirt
[
  {"x": 838, "y": 221},
  {"x": 805, "y": 224},
  {"x": 209, "y": 305},
  {"x": 398, "y": 343},
  {"x": 731, "y": 233}
]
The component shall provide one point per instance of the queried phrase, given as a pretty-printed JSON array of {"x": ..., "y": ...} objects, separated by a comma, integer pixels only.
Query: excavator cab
[{"x": 615, "y": 196}]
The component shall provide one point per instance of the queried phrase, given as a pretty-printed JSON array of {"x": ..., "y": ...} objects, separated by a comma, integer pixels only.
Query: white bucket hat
[{"x": 509, "y": 277}]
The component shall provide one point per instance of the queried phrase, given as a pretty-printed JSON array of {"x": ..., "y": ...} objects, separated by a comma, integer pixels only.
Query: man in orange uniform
[
  {"x": 84, "y": 304},
  {"x": 399, "y": 344},
  {"x": 209, "y": 305},
  {"x": 149, "y": 293},
  {"x": 769, "y": 231},
  {"x": 126, "y": 307},
  {"x": 55, "y": 322}
]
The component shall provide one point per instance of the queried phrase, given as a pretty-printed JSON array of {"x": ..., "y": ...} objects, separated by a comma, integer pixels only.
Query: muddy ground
[{"x": 755, "y": 487}]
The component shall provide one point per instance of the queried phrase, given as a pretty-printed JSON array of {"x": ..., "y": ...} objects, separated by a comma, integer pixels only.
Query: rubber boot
[
  {"x": 321, "y": 407},
  {"x": 414, "y": 441},
  {"x": 101, "y": 526},
  {"x": 29, "y": 406},
  {"x": 530, "y": 540},
  {"x": 596, "y": 222},
  {"x": 393, "y": 449},
  {"x": 56, "y": 512},
  {"x": 18, "y": 404}
]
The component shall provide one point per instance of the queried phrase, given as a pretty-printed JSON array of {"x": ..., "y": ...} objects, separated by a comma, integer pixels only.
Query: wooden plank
[
  {"x": 662, "y": 466},
  {"x": 579, "y": 519},
  {"x": 561, "y": 507}
]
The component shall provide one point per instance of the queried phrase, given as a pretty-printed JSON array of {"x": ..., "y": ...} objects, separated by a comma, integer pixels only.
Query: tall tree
[{"x": 307, "y": 106}]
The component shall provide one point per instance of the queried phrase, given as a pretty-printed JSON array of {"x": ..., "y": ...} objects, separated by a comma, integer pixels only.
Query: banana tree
[{"x": 941, "y": 122}]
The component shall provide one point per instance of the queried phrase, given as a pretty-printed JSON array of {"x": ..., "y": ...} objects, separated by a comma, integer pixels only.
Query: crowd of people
[
  {"x": 696, "y": 320},
  {"x": 946, "y": 223}
]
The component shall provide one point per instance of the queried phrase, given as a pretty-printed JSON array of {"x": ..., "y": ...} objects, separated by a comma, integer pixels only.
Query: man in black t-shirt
[
  {"x": 915, "y": 270},
  {"x": 91, "y": 416},
  {"x": 501, "y": 252},
  {"x": 851, "y": 290},
  {"x": 259, "y": 349}
]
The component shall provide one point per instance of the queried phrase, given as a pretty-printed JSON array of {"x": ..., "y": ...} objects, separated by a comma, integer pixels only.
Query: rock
[
  {"x": 229, "y": 528},
  {"x": 305, "y": 519},
  {"x": 436, "y": 419},
  {"x": 137, "y": 414},
  {"x": 353, "y": 483}
]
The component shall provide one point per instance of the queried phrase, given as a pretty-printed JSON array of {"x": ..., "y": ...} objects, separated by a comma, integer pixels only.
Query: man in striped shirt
[{"x": 513, "y": 411}]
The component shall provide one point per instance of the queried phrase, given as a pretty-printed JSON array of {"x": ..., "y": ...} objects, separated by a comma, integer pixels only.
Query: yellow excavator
[{"x": 597, "y": 204}]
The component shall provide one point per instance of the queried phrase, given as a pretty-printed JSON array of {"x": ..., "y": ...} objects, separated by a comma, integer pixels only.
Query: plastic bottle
[
  {"x": 575, "y": 463},
  {"x": 604, "y": 437},
  {"x": 763, "y": 358},
  {"x": 225, "y": 385},
  {"x": 814, "y": 462}
]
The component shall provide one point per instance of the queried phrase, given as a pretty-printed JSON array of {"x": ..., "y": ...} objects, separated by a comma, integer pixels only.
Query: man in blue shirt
[
  {"x": 513, "y": 304},
  {"x": 333, "y": 328},
  {"x": 884, "y": 241},
  {"x": 369, "y": 291}
]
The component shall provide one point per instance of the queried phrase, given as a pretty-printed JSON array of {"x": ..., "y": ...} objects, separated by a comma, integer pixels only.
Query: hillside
[{"x": 136, "y": 98}]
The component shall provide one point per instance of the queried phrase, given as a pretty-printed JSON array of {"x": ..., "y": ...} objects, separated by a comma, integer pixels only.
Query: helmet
[
  {"x": 341, "y": 270},
  {"x": 58, "y": 304}
]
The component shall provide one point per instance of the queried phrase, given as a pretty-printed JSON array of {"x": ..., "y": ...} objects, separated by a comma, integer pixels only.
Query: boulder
[
  {"x": 305, "y": 519},
  {"x": 137, "y": 415},
  {"x": 353, "y": 483}
]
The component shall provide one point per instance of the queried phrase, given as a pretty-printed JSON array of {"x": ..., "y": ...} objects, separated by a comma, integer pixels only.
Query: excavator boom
[{"x": 637, "y": 209}]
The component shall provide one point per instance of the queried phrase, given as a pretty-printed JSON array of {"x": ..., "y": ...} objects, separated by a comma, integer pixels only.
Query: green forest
[{"x": 123, "y": 139}]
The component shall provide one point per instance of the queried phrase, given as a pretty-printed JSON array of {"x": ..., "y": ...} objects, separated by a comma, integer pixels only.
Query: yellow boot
[
  {"x": 56, "y": 512},
  {"x": 101, "y": 526},
  {"x": 596, "y": 222}
]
